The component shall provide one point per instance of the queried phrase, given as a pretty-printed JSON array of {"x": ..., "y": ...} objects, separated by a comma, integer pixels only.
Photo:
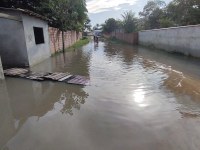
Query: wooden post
[
  {"x": 1, "y": 70},
  {"x": 63, "y": 41}
]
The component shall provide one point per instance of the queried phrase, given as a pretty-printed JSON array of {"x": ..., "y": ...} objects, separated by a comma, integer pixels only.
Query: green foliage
[
  {"x": 129, "y": 22},
  {"x": 87, "y": 25},
  {"x": 165, "y": 23},
  {"x": 152, "y": 13},
  {"x": 97, "y": 27},
  {"x": 24, "y": 4},
  {"x": 177, "y": 13},
  {"x": 184, "y": 12},
  {"x": 110, "y": 25},
  {"x": 79, "y": 44},
  {"x": 65, "y": 14}
]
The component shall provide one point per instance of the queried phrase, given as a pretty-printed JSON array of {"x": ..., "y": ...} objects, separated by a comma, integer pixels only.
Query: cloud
[{"x": 97, "y": 6}]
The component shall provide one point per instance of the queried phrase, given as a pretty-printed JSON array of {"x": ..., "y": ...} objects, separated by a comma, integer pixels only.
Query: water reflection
[
  {"x": 72, "y": 99},
  {"x": 74, "y": 62},
  {"x": 34, "y": 99},
  {"x": 139, "y": 97},
  {"x": 159, "y": 72},
  {"x": 146, "y": 99}
]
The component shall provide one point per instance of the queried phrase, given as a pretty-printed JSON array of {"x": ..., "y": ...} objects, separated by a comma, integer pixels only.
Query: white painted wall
[
  {"x": 184, "y": 40},
  {"x": 1, "y": 70},
  {"x": 36, "y": 53}
]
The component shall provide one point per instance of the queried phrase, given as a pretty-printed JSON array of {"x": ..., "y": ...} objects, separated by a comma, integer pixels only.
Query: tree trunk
[{"x": 63, "y": 41}]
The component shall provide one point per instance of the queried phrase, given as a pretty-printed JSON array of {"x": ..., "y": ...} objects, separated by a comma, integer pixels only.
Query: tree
[
  {"x": 129, "y": 22},
  {"x": 184, "y": 12},
  {"x": 24, "y": 4},
  {"x": 65, "y": 14},
  {"x": 110, "y": 25},
  {"x": 97, "y": 27},
  {"x": 87, "y": 25},
  {"x": 152, "y": 13}
]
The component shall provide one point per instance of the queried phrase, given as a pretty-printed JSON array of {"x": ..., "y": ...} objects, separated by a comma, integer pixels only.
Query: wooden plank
[
  {"x": 57, "y": 76},
  {"x": 79, "y": 80},
  {"x": 15, "y": 71},
  {"x": 65, "y": 78},
  {"x": 36, "y": 76}
]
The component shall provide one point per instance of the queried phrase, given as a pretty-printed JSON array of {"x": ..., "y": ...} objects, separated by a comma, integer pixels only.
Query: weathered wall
[
  {"x": 131, "y": 38},
  {"x": 184, "y": 40},
  {"x": 1, "y": 70},
  {"x": 36, "y": 52},
  {"x": 55, "y": 37},
  {"x": 12, "y": 42}
]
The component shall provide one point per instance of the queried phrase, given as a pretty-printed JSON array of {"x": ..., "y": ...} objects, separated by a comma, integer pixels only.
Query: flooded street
[{"x": 139, "y": 99}]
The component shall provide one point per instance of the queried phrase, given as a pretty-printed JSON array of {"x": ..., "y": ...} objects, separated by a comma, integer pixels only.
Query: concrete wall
[
  {"x": 131, "y": 38},
  {"x": 1, "y": 70},
  {"x": 184, "y": 40},
  {"x": 36, "y": 53},
  {"x": 12, "y": 42},
  {"x": 55, "y": 36}
]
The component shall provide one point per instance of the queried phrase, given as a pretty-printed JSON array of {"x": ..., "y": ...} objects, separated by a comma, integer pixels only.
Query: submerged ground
[{"x": 139, "y": 99}]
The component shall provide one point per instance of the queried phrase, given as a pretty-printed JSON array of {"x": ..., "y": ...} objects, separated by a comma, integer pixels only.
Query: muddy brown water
[{"x": 139, "y": 98}]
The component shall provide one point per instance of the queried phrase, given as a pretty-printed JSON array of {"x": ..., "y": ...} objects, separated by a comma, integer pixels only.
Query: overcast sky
[{"x": 100, "y": 10}]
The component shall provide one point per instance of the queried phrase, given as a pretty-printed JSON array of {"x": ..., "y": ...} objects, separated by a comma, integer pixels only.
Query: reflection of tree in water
[
  {"x": 125, "y": 52},
  {"x": 72, "y": 99},
  {"x": 74, "y": 62}
]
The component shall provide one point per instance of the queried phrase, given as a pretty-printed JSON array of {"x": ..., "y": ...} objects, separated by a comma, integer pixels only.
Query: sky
[{"x": 100, "y": 10}]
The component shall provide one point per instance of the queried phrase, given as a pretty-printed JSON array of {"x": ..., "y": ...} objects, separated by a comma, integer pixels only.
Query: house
[
  {"x": 24, "y": 38},
  {"x": 97, "y": 32}
]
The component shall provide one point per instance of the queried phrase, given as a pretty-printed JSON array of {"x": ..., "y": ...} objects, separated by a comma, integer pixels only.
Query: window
[{"x": 39, "y": 35}]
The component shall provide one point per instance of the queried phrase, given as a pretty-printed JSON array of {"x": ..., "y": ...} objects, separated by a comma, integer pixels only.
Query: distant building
[
  {"x": 97, "y": 33},
  {"x": 24, "y": 38}
]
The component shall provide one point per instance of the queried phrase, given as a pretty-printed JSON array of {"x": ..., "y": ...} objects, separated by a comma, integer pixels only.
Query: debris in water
[
  {"x": 57, "y": 76},
  {"x": 15, "y": 71}
]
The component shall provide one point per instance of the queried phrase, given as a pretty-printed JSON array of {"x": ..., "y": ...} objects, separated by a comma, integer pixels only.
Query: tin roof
[{"x": 27, "y": 12}]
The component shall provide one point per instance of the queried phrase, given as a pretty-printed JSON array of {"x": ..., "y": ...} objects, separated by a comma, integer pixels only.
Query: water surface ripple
[{"x": 139, "y": 98}]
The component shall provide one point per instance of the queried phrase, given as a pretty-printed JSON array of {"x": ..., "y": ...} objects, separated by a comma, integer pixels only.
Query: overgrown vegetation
[
  {"x": 80, "y": 43},
  {"x": 156, "y": 14}
]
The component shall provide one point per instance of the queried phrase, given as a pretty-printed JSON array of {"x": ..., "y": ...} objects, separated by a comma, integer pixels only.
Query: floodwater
[{"x": 139, "y": 99}]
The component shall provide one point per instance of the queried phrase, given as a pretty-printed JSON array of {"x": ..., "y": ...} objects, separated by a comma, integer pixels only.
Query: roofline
[{"x": 28, "y": 12}]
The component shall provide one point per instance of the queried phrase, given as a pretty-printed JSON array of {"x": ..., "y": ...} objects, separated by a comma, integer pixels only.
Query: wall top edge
[{"x": 179, "y": 27}]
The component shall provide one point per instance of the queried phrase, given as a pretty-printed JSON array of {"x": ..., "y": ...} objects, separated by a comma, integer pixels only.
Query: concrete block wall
[
  {"x": 131, "y": 38},
  {"x": 1, "y": 70},
  {"x": 185, "y": 39},
  {"x": 55, "y": 37}
]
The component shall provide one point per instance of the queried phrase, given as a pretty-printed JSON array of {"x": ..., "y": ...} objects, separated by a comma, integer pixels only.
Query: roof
[{"x": 27, "y": 12}]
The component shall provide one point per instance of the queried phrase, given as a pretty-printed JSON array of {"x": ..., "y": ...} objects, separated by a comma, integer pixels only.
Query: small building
[
  {"x": 24, "y": 38},
  {"x": 97, "y": 32}
]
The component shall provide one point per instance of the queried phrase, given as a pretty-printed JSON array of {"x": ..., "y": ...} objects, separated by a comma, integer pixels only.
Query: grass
[{"x": 78, "y": 44}]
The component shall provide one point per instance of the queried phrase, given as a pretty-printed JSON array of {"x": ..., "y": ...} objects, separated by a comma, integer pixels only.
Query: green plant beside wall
[{"x": 78, "y": 44}]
